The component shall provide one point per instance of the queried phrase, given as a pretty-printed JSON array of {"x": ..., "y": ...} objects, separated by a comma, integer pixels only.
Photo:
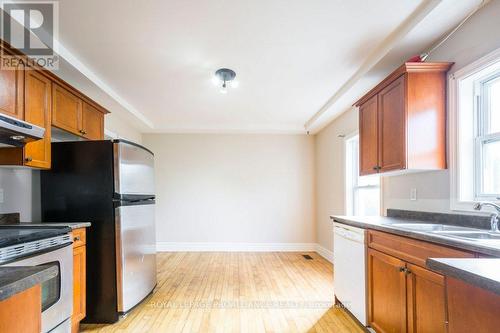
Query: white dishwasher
[{"x": 349, "y": 280}]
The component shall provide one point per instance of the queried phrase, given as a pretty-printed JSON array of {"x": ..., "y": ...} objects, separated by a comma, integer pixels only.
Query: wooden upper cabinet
[
  {"x": 391, "y": 119},
  {"x": 67, "y": 110},
  {"x": 71, "y": 113},
  {"x": 12, "y": 91},
  {"x": 37, "y": 111},
  {"x": 411, "y": 120},
  {"x": 386, "y": 293},
  {"x": 39, "y": 97},
  {"x": 92, "y": 123},
  {"x": 368, "y": 142}
]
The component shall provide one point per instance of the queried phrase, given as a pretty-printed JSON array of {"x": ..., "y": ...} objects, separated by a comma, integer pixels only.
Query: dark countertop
[
  {"x": 484, "y": 273},
  {"x": 14, "y": 280},
  {"x": 382, "y": 223},
  {"x": 13, "y": 219},
  {"x": 72, "y": 225}
]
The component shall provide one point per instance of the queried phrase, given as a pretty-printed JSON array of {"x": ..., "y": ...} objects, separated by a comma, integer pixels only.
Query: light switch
[
  {"x": 1, "y": 195},
  {"x": 413, "y": 194}
]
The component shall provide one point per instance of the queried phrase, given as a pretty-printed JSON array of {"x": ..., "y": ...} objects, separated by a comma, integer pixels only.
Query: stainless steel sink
[
  {"x": 430, "y": 227},
  {"x": 476, "y": 236},
  {"x": 452, "y": 231}
]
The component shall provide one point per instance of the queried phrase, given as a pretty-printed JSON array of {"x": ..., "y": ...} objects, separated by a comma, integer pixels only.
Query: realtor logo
[{"x": 32, "y": 28}]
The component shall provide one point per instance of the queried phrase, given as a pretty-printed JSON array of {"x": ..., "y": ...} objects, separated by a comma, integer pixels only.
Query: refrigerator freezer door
[
  {"x": 133, "y": 169},
  {"x": 136, "y": 253}
]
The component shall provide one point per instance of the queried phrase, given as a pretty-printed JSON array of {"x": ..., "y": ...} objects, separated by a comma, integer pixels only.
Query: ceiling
[{"x": 152, "y": 61}]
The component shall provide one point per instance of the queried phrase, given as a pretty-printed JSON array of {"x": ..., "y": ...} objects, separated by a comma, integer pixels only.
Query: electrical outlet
[
  {"x": 1, "y": 195},
  {"x": 413, "y": 194}
]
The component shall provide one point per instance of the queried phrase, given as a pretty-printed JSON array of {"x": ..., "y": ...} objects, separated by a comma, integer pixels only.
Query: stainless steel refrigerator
[{"x": 111, "y": 185}]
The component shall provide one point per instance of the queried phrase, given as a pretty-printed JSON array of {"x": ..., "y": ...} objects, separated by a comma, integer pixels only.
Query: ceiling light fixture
[{"x": 224, "y": 76}]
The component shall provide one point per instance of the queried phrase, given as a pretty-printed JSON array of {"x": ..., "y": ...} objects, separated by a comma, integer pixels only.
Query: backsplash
[
  {"x": 9, "y": 218},
  {"x": 21, "y": 193},
  {"x": 475, "y": 221}
]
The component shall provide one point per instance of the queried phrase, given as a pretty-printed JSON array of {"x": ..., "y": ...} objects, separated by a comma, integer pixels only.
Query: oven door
[{"x": 57, "y": 293}]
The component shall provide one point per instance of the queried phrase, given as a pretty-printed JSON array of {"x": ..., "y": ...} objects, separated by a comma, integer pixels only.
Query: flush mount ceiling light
[{"x": 223, "y": 76}]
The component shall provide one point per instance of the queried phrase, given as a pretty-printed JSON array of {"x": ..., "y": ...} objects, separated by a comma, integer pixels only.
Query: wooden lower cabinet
[
  {"x": 387, "y": 293},
  {"x": 79, "y": 278},
  {"x": 22, "y": 313},
  {"x": 471, "y": 309},
  {"x": 426, "y": 304},
  {"x": 403, "y": 296}
]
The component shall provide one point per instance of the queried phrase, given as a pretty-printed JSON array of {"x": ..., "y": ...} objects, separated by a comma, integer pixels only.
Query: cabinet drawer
[
  {"x": 79, "y": 237},
  {"x": 412, "y": 250}
]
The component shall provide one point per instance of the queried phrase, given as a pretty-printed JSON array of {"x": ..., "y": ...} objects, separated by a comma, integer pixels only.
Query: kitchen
[{"x": 181, "y": 189}]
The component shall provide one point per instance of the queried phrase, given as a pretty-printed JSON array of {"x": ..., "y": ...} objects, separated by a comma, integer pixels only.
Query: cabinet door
[
  {"x": 21, "y": 313},
  {"x": 392, "y": 126},
  {"x": 67, "y": 110},
  {"x": 37, "y": 111},
  {"x": 386, "y": 293},
  {"x": 79, "y": 260},
  {"x": 93, "y": 123},
  {"x": 426, "y": 301},
  {"x": 368, "y": 137},
  {"x": 471, "y": 309},
  {"x": 12, "y": 91}
]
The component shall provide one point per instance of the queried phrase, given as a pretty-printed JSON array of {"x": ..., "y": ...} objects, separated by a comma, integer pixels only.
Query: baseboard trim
[
  {"x": 324, "y": 252},
  {"x": 235, "y": 247}
]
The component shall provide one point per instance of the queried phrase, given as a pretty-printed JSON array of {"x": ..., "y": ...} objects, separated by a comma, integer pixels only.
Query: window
[
  {"x": 362, "y": 193},
  {"x": 487, "y": 153},
  {"x": 474, "y": 128}
]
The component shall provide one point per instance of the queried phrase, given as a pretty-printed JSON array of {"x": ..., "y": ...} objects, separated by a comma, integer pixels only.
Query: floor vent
[{"x": 308, "y": 257}]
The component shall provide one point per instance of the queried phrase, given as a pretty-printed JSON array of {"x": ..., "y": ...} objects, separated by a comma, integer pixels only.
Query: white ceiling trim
[
  {"x": 373, "y": 58},
  {"x": 253, "y": 129},
  {"x": 82, "y": 68}
]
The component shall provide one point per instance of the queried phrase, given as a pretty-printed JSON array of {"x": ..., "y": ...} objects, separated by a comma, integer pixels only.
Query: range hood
[{"x": 15, "y": 132}]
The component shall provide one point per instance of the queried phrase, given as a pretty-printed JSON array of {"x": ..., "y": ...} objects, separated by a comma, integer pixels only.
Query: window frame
[
  {"x": 351, "y": 184},
  {"x": 455, "y": 100},
  {"x": 482, "y": 137}
]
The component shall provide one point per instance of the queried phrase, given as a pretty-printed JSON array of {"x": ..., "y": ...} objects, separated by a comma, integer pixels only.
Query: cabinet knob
[
  {"x": 83, "y": 132},
  {"x": 76, "y": 239},
  {"x": 28, "y": 159},
  {"x": 402, "y": 269}
]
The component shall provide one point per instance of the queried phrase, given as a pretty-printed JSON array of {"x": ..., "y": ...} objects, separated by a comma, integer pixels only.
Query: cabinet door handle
[
  {"x": 28, "y": 159},
  {"x": 76, "y": 239},
  {"x": 402, "y": 269}
]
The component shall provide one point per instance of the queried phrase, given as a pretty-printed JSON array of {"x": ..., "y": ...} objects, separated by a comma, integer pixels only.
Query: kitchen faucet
[{"x": 494, "y": 216}]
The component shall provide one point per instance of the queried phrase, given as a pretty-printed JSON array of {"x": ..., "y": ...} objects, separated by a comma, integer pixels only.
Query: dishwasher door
[{"x": 349, "y": 281}]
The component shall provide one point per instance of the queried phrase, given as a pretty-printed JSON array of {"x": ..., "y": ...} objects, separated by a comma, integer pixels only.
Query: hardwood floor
[{"x": 238, "y": 292}]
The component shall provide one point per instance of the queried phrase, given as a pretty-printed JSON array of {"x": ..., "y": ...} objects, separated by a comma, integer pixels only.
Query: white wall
[
  {"x": 21, "y": 189},
  {"x": 330, "y": 178},
  {"x": 476, "y": 38},
  {"x": 221, "y": 189}
]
